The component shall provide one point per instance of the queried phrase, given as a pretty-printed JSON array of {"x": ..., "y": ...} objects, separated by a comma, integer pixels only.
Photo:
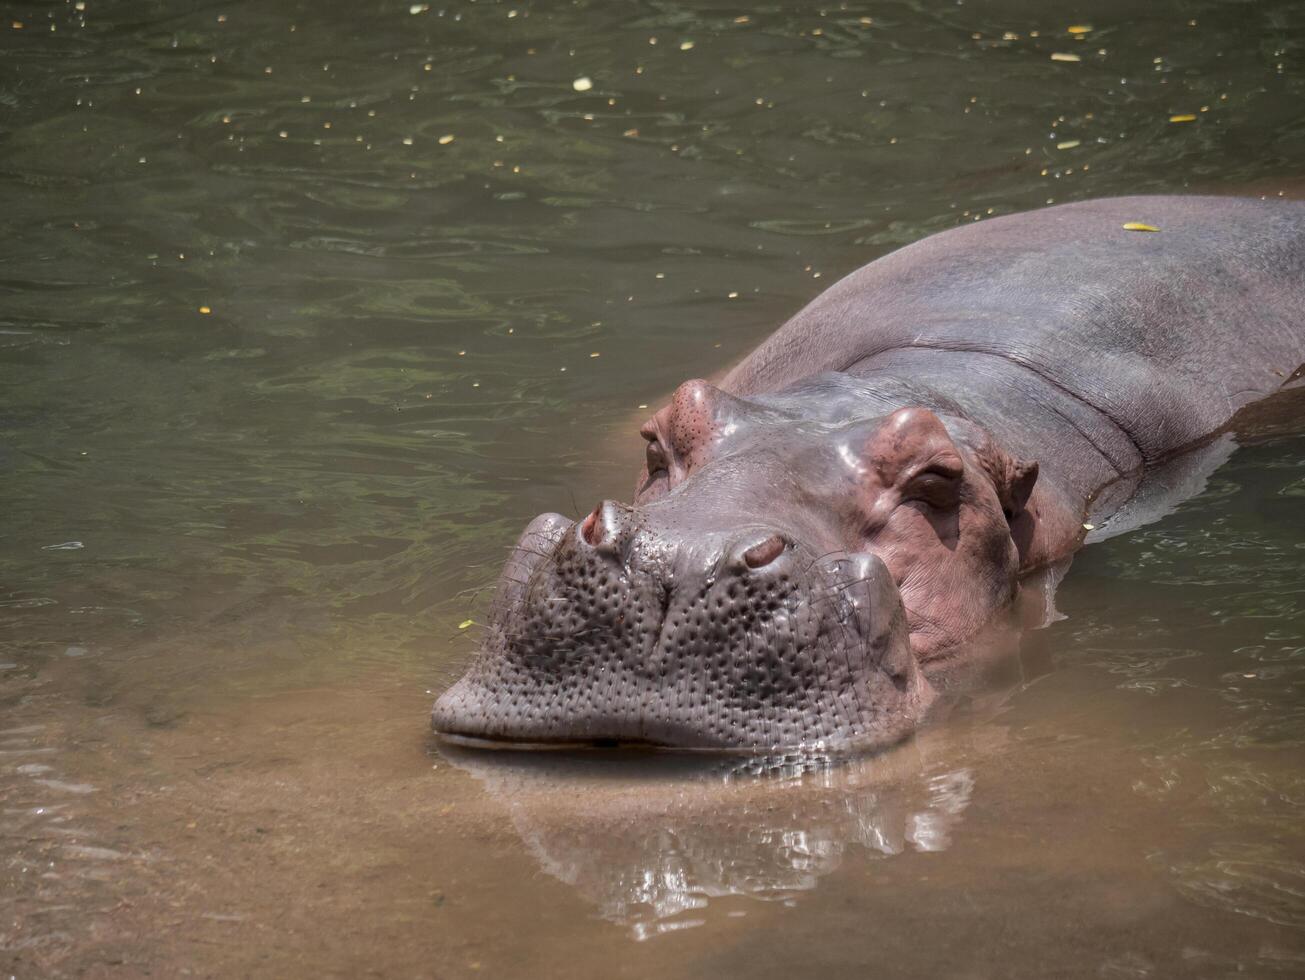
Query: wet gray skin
[
  {"x": 792, "y": 557},
  {"x": 654, "y": 625},
  {"x": 691, "y": 620}
]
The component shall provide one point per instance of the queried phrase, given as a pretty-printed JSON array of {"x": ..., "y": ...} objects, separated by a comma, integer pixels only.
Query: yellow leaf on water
[
  {"x": 465, "y": 623},
  {"x": 205, "y": 310},
  {"x": 1139, "y": 226},
  {"x": 1079, "y": 28},
  {"x": 1062, "y": 56},
  {"x": 1068, "y": 144},
  {"x": 1183, "y": 117}
]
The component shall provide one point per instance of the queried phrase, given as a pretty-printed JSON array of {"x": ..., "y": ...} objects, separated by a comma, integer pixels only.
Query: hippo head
[{"x": 775, "y": 583}]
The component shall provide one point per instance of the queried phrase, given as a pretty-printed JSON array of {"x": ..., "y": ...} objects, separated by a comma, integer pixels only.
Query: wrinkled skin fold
[{"x": 863, "y": 493}]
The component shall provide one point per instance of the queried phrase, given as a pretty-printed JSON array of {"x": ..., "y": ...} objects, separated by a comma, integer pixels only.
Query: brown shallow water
[{"x": 236, "y": 546}]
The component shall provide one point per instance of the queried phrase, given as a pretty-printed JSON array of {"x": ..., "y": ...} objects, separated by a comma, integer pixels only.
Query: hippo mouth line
[
  {"x": 847, "y": 748},
  {"x": 506, "y": 743}
]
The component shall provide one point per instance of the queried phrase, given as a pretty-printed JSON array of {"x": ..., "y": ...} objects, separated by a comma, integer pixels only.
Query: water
[{"x": 285, "y": 370}]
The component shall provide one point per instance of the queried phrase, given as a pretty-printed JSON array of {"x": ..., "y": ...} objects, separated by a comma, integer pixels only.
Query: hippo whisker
[
  {"x": 575, "y": 504},
  {"x": 541, "y": 555},
  {"x": 835, "y": 590},
  {"x": 845, "y": 648},
  {"x": 820, "y": 558}
]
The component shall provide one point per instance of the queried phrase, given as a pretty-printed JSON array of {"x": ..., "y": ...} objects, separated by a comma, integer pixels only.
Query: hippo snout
[
  {"x": 640, "y": 625},
  {"x": 675, "y": 557},
  {"x": 611, "y": 529}
]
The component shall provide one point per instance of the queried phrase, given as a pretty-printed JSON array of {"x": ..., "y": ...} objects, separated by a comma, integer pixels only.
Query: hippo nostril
[
  {"x": 605, "y": 527},
  {"x": 592, "y": 528},
  {"x": 761, "y": 555}
]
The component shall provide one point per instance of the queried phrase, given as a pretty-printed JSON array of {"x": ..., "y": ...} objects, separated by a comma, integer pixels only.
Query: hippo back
[{"x": 1164, "y": 335}]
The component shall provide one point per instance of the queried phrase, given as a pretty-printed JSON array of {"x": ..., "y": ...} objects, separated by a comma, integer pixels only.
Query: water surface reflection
[{"x": 651, "y": 842}]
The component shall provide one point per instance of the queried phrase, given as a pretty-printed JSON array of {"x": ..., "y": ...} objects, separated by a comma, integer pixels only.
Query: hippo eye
[
  {"x": 655, "y": 457},
  {"x": 938, "y": 484},
  {"x": 659, "y": 470}
]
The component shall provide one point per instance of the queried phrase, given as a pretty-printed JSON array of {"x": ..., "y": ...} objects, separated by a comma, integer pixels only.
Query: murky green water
[{"x": 306, "y": 308}]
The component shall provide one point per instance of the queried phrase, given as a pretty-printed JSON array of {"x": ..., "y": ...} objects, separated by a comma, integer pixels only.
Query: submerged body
[{"x": 864, "y": 491}]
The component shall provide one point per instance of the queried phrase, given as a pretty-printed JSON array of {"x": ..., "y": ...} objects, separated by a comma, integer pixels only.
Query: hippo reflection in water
[
  {"x": 652, "y": 845},
  {"x": 866, "y": 490}
]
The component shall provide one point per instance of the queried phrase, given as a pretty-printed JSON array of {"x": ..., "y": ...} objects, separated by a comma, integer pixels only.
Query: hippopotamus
[{"x": 859, "y": 497}]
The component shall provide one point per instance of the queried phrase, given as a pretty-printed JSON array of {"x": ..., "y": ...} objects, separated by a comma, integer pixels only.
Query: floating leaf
[
  {"x": 582, "y": 84},
  {"x": 465, "y": 623},
  {"x": 1183, "y": 117},
  {"x": 1063, "y": 56},
  {"x": 1079, "y": 28},
  {"x": 1139, "y": 226}
]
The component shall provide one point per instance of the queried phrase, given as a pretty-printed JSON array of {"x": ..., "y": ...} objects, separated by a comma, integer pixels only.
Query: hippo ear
[
  {"x": 1013, "y": 478},
  {"x": 1015, "y": 496}
]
